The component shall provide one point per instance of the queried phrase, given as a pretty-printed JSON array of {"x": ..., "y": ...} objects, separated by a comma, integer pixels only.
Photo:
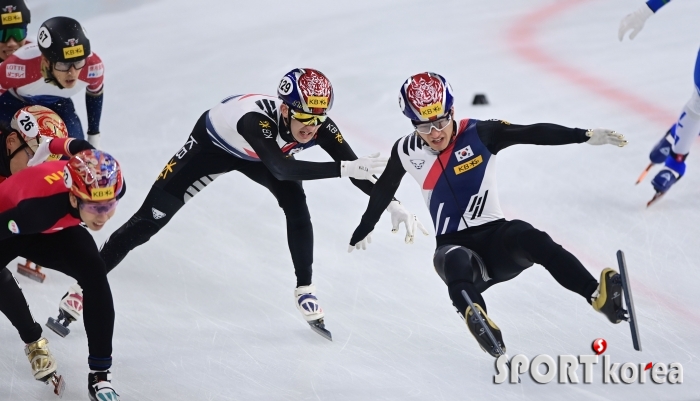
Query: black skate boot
[
  {"x": 608, "y": 298},
  {"x": 100, "y": 386},
  {"x": 480, "y": 334}
]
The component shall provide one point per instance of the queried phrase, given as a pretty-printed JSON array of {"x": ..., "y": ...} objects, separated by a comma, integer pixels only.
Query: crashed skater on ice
[{"x": 454, "y": 163}]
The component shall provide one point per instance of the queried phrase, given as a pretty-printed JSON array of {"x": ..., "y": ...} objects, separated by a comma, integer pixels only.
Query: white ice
[{"x": 205, "y": 309}]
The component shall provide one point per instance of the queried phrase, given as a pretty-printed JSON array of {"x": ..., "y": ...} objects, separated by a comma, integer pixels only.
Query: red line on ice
[{"x": 522, "y": 39}]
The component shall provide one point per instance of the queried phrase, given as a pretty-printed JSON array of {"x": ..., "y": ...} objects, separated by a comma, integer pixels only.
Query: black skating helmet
[
  {"x": 14, "y": 13},
  {"x": 62, "y": 39}
]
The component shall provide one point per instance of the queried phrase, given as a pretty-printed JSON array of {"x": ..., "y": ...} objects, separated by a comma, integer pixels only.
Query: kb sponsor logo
[{"x": 568, "y": 368}]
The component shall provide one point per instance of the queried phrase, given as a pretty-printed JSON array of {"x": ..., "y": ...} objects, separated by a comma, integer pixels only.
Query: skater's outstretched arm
[
  {"x": 635, "y": 21},
  {"x": 332, "y": 141},
  {"x": 252, "y": 128},
  {"x": 383, "y": 193},
  {"x": 498, "y": 135}
]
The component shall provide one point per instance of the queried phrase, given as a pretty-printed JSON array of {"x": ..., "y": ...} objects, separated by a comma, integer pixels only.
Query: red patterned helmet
[
  {"x": 307, "y": 91},
  {"x": 426, "y": 97},
  {"x": 93, "y": 175},
  {"x": 35, "y": 124}
]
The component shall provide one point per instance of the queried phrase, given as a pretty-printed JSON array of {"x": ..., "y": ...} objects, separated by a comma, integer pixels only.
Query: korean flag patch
[{"x": 464, "y": 153}]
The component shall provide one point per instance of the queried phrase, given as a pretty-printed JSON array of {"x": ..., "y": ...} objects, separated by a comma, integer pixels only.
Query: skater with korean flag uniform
[
  {"x": 257, "y": 135},
  {"x": 454, "y": 162},
  {"x": 674, "y": 146}
]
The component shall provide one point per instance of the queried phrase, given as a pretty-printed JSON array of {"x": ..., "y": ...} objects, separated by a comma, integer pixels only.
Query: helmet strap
[
  {"x": 49, "y": 78},
  {"x": 23, "y": 145}
]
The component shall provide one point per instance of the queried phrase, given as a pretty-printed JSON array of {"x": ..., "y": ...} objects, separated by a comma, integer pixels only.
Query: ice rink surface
[{"x": 205, "y": 310}]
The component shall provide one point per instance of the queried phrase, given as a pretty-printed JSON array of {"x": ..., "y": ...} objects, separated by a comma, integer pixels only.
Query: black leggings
[
  {"x": 479, "y": 257},
  {"x": 187, "y": 173},
  {"x": 71, "y": 251}
]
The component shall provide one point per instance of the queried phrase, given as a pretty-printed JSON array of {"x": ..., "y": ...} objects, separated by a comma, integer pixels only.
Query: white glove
[
  {"x": 600, "y": 136},
  {"x": 399, "y": 215},
  {"x": 364, "y": 167},
  {"x": 634, "y": 22},
  {"x": 40, "y": 154},
  {"x": 94, "y": 140},
  {"x": 362, "y": 244}
]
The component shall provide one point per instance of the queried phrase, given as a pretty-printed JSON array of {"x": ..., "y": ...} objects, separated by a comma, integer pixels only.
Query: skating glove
[
  {"x": 634, "y": 22},
  {"x": 600, "y": 136},
  {"x": 361, "y": 244},
  {"x": 364, "y": 167},
  {"x": 399, "y": 215},
  {"x": 40, "y": 154},
  {"x": 94, "y": 139}
]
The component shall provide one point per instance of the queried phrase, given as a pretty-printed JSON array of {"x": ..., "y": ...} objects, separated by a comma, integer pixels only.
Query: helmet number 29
[{"x": 285, "y": 86}]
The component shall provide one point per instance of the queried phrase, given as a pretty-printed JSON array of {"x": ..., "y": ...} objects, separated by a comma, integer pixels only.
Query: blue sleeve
[
  {"x": 654, "y": 5},
  {"x": 93, "y": 104}
]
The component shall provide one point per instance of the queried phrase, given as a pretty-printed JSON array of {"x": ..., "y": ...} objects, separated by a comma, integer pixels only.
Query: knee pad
[
  {"x": 455, "y": 263},
  {"x": 158, "y": 207}
]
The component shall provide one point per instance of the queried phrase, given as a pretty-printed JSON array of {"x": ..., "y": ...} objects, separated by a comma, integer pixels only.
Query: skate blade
[
  {"x": 644, "y": 173},
  {"x": 57, "y": 327},
  {"x": 31, "y": 273},
  {"x": 59, "y": 385},
  {"x": 656, "y": 197},
  {"x": 319, "y": 327}
]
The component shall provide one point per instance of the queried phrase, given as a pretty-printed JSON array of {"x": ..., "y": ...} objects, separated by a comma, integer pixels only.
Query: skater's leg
[
  {"x": 459, "y": 267},
  {"x": 193, "y": 167},
  {"x": 72, "y": 251},
  {"x": 15, "y": 307},
  {"x": 300, "y": 236},
  {"x": 525, "y": 245},
  {"x": 686, "y": 130}
]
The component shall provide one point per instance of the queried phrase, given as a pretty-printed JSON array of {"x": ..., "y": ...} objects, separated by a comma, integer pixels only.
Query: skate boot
[
  {"x": 27, "y": 270},
  {"x": 100, "y": 386},
  {"x": 607, "y": 299},
  {"x": 308, "y": 305},
  {"x": 44, "y": 365},
  {"x": 480, "y": 334},
  {"x": 663, "y": 148},
  {"x": 69, "y": 310}
]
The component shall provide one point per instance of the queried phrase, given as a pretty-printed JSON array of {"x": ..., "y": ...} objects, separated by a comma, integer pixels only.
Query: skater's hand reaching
[
  {"x": 364, "y": 167},
  {"x": 362, "y": 244},
  {"x": 600, "y": 136},
  {"x": 634, "y": 22},
  {"x": 399, "y": 215},
  {"x": 40, "y": 154}
]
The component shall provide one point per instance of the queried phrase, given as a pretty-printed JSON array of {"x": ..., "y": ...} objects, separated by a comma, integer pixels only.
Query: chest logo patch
[
  {"x": 418, "y": 163},
  {"x": 464, "y": 167},
  {"x": 464, "y": 153},
  {"x": 95, "y": 71}
]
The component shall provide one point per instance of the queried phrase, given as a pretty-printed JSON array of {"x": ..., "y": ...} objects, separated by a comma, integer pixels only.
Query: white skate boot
[
  {"x": 69, "y": 310},
  {"x": 44, "y": 365},
  {"x": 308, "y": 305},
  {"x": 100, "y": 386}
]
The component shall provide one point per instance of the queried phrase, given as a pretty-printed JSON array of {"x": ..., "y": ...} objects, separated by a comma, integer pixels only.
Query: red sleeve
[
  {"x": 93, "y": 73},
  {"x": 16, "y": 72},
  {"x": 59, "y": 146}
]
